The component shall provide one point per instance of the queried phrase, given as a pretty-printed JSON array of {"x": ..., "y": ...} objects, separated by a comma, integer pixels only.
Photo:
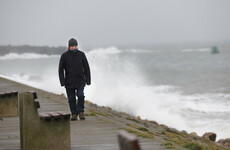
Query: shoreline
[{"x": 144, "y": 129}]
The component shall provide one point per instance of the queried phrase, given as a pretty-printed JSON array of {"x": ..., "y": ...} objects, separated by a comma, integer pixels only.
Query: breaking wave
[
  {"x": 140, "y": 51},
  {"x": 11, "y": 56},
  {"x": 197, "y": 50}
]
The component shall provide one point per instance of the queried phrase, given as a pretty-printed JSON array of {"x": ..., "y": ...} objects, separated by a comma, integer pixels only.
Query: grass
[
  {"x": 142, "y": 129},
  {"x": 190, "y": 144},
  {"x": 132, "y": 125},
  {"x": 98, "y": 113},
  {"x": 139, "y": 134},
  {"x": 163, "y": 132},
  {"x": 133, "y": 120},
  {"x": 169, "y": 145},
  {"x": 91, "y": 114},
  {"x": 138, "y": 128},
  {"x": 193, "y": 146}
]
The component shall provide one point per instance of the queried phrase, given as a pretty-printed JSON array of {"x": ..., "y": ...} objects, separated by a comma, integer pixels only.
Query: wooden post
[
  {"x": 128, "y": 141},
  {"x": 49, "y": 131}
]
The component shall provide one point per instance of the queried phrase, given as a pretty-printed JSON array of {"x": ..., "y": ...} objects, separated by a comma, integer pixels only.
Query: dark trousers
[{"x": 71, "y": 94}]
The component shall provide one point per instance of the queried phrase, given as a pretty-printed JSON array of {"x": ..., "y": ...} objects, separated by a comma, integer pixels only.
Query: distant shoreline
[
  {"x": 31, "y": 49},
  {"x": 5, "y": 49}
]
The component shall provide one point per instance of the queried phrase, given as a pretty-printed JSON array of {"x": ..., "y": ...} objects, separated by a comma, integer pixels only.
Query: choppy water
[{"x": 187, "y": 89}]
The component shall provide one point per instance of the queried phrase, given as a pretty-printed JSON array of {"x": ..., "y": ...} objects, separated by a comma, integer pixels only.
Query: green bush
[
  {"x": 193, "y": 146},
  {"x": 142, "y": 129}
]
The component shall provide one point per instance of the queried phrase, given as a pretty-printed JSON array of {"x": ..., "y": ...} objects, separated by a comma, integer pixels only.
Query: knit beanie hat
[{"x": 73, "y": 42}]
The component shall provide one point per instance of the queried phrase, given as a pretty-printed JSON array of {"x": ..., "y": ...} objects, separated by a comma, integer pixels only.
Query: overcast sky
[{"x": 111, "y": 23}]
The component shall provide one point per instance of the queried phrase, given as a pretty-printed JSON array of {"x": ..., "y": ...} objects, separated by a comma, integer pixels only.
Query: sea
[{"x": 183, "y": 88}]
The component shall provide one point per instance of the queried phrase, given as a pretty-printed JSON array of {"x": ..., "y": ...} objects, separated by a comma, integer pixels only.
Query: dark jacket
[{"x": 74, "y": 69}]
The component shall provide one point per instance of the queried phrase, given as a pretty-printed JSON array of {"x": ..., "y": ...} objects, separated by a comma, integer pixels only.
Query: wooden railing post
[{"x": 128, "y": 141}]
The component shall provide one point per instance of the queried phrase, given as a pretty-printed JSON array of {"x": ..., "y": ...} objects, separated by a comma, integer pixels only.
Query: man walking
[{"x": 74, "y": 73}]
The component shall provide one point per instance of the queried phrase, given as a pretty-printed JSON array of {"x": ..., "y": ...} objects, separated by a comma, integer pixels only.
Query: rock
[
  {"x": 172, "y": 130},
  {"x": 210, "y": 136},
  {"x": 184, "y": 132},
  {"x": 225, "y": 142},
  {"x": 108, "y": 108},
  {"x": 146, "y": 125},
  {"x": 195, "y": 136},
  {"x": 193, "y": 133},
  {"x": 63, "y": 95},
  {"x": 88, "y": 102},
  {"x": 154, "y": 122},
  {"x": 164, "y": 126},
  {"x": 138, "y": 117}
]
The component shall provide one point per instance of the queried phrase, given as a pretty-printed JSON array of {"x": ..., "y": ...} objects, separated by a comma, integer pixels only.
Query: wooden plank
[
  {"x": 7, "y": 94},
  {"x": 65, "y": 115},
  {"x": 15, "y": 92},
  {"x": 45, "y": 116},
  {"x": 55, "y": 115},
  {"x": 2, "y": 95}
]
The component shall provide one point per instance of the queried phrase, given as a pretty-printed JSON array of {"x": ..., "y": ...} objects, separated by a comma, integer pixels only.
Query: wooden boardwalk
[{"x": 99, "y": 130}]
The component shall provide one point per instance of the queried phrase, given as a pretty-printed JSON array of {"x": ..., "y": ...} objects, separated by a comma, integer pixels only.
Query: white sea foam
[
  {"x": 113, "y": 50},
  {"x": 105, "y": 51},
  {"x": 197, "y": 50},
  {"x": 120, "y": 84},
  {"x": 140, "y": 51},
  {"x": 11, "y": 56}
]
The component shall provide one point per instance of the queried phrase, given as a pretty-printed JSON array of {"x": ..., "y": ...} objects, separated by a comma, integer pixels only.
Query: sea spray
[{"x": 119, "y": 83}]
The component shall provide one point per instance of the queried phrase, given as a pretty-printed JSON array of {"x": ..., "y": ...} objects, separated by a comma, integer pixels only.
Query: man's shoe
[
  {"x": 74, "y": 117},
  {"x": 82, "y": 116}
]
